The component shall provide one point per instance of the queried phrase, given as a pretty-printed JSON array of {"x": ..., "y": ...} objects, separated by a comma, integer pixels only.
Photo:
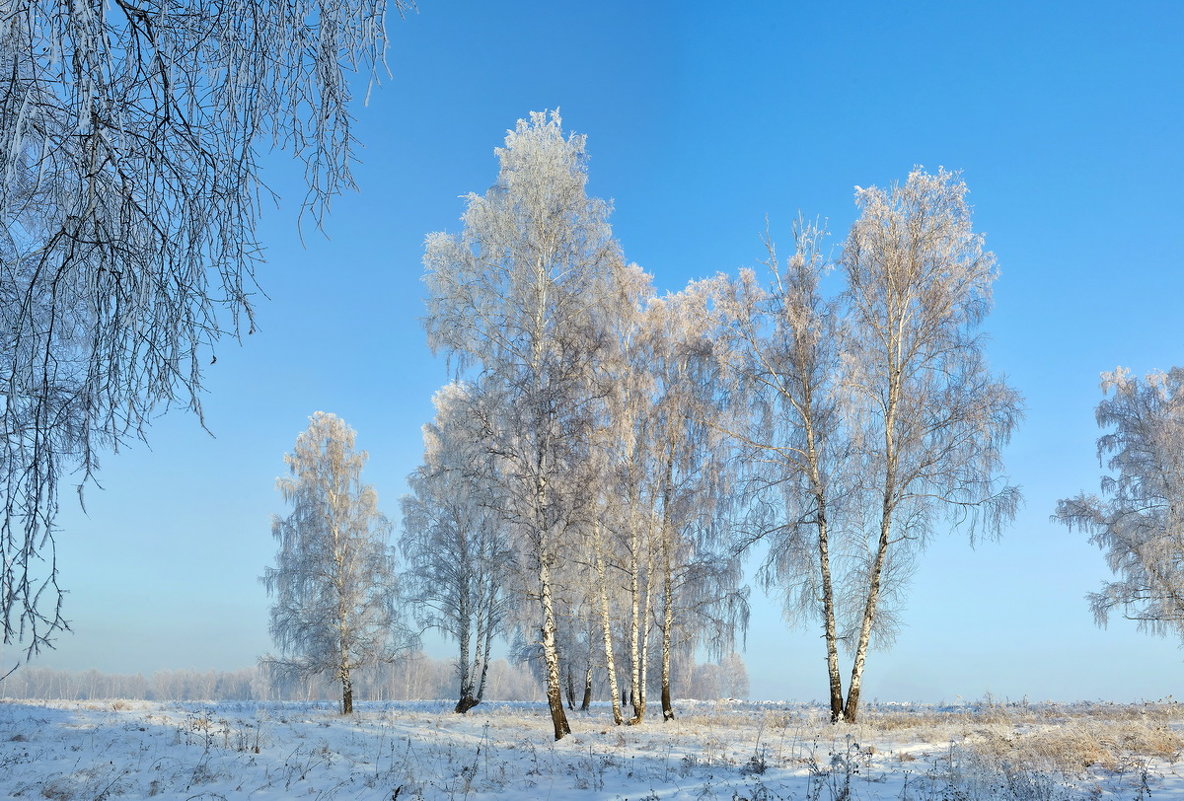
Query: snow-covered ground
[{"x": 714, "y": 750}]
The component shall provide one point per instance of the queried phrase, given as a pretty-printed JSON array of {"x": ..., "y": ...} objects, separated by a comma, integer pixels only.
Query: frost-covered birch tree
[
  {"x": 933, "y": 419},
  {"x": 459, "y": 560},
  {"x": 781, "y": 346},
  {"x": 661, "y": 577},
  {"x": 1138, "y": 521},
  {"x": 699, "y": 571},
  {"x": 518, "y": 296},
  {"x": 130, "y": 139},
  {"x": 333, "y": 581},
  {"x": 624, "y": 528}
]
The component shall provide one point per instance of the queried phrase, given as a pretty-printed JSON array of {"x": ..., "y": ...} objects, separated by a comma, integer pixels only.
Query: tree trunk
[
  {"x": 828, "y": 617},
  {"x": 887, "y": 507},
  {"x": 551, "y": 654},
  {"x": 570, "y": 686},
  {"x": 610, "y": 661},
  {"x": 850, "y": 711},
  {"x": 587, "y": 700},
  {"x": 830, "y": 632},
  {"x": 347, "y": 692},
  {"x": 634, "y": 626},
  {"x": 640, "y": 689},
  {"x": 643, "y": 688},
  {"x": 485, "y": 659},
  {"x": 465, "y": 703},
  {"x": 667, "y": 626}
]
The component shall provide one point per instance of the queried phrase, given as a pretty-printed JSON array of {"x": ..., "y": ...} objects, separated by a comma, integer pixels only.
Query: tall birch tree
[
  {"x": 934, "y": 419},
  {"x": 333, "y": 581},
  {"x": 781, "y": 344},
  {"x": 519, "y": 296}
]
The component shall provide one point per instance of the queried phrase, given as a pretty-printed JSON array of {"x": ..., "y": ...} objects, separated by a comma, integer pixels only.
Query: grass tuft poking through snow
[{"x": 732, "y": 751}]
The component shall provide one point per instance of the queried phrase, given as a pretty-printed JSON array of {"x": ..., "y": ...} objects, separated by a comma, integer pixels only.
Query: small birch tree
[
  {"x": 1138, "y": 522},
  {"x": 333, "y": 580},
  {"x": 458, "y": 556}
]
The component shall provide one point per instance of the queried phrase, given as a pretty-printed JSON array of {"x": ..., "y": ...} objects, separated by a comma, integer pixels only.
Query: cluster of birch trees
[
  {"x": 341, "y": 609},
  {"x": 605, "y": 454},
  {"x": 573, "y": 468}
]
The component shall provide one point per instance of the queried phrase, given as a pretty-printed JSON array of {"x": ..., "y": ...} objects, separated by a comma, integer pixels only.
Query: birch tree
[
  {"x": 782, "y": 349},
  {"x": 130, "y": 139},
  {"x": 454, "y": 539},
  {"x": 934, "y": 419},
  {"x": 519, "y": 296},
  {"x": 696, "y": 566},
  {"x": 1138, "y": 520},
  {"x": 625, "y": 474},
  {"x": 333, "y": 580},
  {"x": 661, "y": 481}
]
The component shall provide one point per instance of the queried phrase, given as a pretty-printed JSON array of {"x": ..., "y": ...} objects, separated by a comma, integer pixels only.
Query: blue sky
[{"x": 1065, "y": 118}]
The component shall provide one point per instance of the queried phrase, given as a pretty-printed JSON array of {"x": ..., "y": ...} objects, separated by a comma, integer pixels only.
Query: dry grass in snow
[{"x": 81, "y": 751}]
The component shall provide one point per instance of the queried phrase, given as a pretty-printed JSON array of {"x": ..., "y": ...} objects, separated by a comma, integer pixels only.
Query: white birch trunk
[
  {"x": 610, "y": 662},
  {"x": 551, "y": 654},
  {"x": 851, "y": 709},
  {"x": 647, "y": 605},
  {"x": 635, "y": 657},
  {"x": 667, "y": 626}
]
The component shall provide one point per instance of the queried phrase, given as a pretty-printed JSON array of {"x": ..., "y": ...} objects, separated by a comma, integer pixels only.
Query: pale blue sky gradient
[{"x": 1065, "y": 118}]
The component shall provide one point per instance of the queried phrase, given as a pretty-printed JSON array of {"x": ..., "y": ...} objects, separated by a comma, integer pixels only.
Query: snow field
[{"x": 83, "y": 751}]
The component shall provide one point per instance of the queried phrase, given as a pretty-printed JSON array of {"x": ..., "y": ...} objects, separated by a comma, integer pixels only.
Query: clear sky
[{"x": 702, "y": 118}]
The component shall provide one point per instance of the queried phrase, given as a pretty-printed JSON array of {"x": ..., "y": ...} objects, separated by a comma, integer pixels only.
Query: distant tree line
[
  {"x": 343, "y": 613},
  {"x": 415, "y": 676}
]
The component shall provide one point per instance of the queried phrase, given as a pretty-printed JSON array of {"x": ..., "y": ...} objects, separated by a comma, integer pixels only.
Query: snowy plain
[{"x": 731, "y": 750}]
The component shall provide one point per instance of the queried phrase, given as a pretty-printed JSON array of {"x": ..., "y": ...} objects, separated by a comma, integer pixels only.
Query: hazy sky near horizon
[{"x": 1065, "y": 119}]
